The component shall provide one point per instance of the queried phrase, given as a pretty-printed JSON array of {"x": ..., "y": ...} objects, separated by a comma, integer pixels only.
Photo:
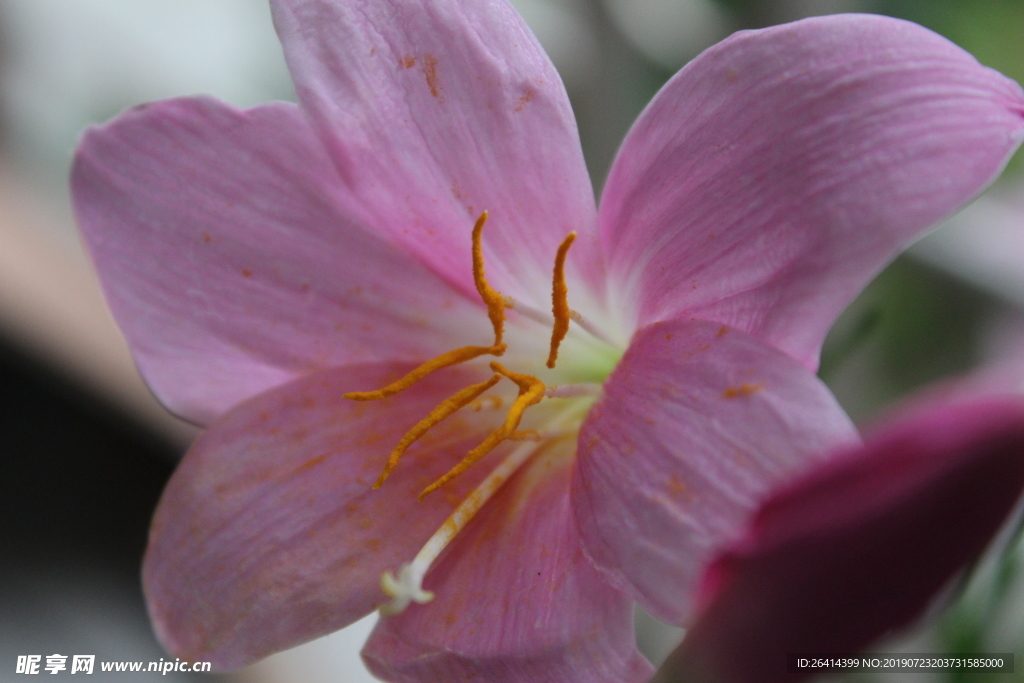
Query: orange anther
[
  {"x": 531, "y": 391},
  {"x": 442, "y": 411},
  {"x": 493, "y": 299},
  {"x": 560, "y": 299},
  {"x": 453, "y": 357}
]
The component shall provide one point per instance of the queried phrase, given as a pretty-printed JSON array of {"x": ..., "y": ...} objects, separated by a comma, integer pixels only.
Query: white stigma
[{"x": 406, "y": 589}]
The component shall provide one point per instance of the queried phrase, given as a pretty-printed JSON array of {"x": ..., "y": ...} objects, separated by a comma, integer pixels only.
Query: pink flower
[
  {"x": 860, "y": 545},
  {"x": 264, "y": 263}
]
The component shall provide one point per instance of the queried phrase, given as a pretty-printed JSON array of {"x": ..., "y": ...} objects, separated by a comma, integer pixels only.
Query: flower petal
[
  {"x": 436, "y": 111},
  {"x": 780, "y": 170},
  {"x": 234, "y": 259},
  {"x": 269, "y": 534},
  {"x": 698, "y": 421},
  {"x": 516, "y": 600},
  {"x": 860, "y": 546}
]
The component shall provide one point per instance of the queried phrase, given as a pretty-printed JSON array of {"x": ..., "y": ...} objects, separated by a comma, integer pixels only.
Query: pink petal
[
  {"x": 269, "y": 534},
  {"x": 235, "y": 259},
  {"x": 860, "y": 546},
  {"x": 435, "y": 111},
  {"x": 780, "y": 170},
  {"x": 697, "y": 423},
  {"x": 516, "y": 600}
]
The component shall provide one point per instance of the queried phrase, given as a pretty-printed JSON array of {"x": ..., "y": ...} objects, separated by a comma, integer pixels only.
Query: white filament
[{"x": 408, "y": 586}]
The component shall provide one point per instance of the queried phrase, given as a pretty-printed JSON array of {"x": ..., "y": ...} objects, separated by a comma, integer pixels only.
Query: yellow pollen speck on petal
[
  {"x": 453, "y": 357},
  {"x": 445, "y": 409},
  {"x": 492, "y": 298},
  {"x": 560, "y": 300},
  {"x": 531, "y": 391},
  {"x": 745, "y": 389}
]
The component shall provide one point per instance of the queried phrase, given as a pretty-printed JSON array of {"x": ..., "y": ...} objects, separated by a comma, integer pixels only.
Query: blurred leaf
[
  {"x": 913, "y": 325},
  {"x": 845, "y": 343}
]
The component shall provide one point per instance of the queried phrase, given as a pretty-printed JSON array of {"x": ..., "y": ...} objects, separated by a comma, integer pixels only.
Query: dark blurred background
[{"x": 86, "y": 450}]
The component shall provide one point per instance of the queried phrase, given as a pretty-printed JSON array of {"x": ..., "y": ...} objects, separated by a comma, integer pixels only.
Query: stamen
[
  {"x": 560, "y": 299},
  {"x": 492, "y": 298},
  {"x": 524, "y": 382},
  {"x": 525, "y": 435},
  {"x": 453, "y": 357},
  {"x": 594, "y": 331},
  {"x": 442, "y": 411},
  {"x": 527, "y": 311},
  {"x": 573, "y": 390},
  {"x": 545, "y": 318},
  {"x": 531, "y": 391},
  {"x": 408, "y": 587}
]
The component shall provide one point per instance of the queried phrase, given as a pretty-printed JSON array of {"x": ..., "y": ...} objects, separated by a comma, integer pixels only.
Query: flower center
[{"x": 406, "y": 588}]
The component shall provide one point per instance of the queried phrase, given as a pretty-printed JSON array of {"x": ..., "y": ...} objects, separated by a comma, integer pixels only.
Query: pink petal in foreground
[
  {"x": 780, "y": 170},
  {"x": 235, "y": 259},
  {"x": 860, "y": 546},
  {"x": 435, "y": 111},
  {"x": 269, "y": 535},
  {"x": 517, "y": 602},
  {"x": 697, "y": 423}
]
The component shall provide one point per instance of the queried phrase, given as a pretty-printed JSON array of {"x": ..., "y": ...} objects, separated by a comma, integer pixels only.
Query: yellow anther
[
  {"x": 560, "y": 299},
  {"x": 453, "y": 357},
  {"x": 531, "y": 391},
  {"x": 523, "y": 381},
  {"x": 492, "y": 298},
  {"x": 442, "y": 411}
]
